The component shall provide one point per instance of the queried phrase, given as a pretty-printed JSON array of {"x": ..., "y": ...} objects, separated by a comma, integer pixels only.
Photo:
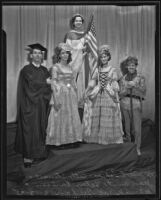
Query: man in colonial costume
[{"x": 132, "y": 93}]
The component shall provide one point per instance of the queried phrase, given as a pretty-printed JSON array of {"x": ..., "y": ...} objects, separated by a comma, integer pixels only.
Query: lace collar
[{"x": 107, "y": 69}]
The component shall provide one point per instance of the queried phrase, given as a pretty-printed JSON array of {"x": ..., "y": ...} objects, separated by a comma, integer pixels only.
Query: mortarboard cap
[
  {"x": 37, "y": 46},
  {"x": 40, "y": 47}
]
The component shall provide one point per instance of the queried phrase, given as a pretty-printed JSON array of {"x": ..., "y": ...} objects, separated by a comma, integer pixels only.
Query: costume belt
[{"x": 135, "y": 97}]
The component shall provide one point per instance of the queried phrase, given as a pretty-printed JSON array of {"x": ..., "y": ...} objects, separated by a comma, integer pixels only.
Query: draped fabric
[
  {"x": 76, "y": 41},
  {"x": 33, "y": 102},
  {"x": 129, "y": 30}
]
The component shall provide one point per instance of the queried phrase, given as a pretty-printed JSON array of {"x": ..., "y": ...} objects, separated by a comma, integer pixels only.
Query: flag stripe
[
  {"x": 93, "y": 70},
  {"x": 93, "y": 46},
  {"x": 92, "y": 43},
  {"x": 92, "y": 40},
  {"x": 94, "y": 53},
  {"x": 92, "y": 60}
]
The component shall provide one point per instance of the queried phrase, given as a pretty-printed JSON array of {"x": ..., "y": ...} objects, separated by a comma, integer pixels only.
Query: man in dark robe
[{"x": 33, "y": 97}]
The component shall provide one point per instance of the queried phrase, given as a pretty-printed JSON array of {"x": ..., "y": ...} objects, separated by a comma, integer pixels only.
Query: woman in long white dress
[
  {"x": 64, "y": 125},
  {"x": 75, "y": 38}
]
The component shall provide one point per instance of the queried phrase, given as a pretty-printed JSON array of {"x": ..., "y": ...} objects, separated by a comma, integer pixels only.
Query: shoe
[
  {"x": 61, "y": 147},
  {"x": 138, "y": 152},
  {"x": 72, "y": 145},
  {"x": 27, "y": 164},
  {"x": 75, "y": 145},
  {"x": 38, "y": 160}
]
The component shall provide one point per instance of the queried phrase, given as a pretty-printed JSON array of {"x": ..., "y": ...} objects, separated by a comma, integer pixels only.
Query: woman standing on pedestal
[{"x": 75, "y": 38}]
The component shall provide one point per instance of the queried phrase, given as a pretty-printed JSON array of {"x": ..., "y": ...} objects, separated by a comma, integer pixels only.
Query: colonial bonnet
[
  {"x": 104, "y": 48},
  {"x": 64, "y": 46}
]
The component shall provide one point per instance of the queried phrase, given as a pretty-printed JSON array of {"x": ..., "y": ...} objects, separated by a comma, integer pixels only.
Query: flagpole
[{"x": 91, "y": 41}]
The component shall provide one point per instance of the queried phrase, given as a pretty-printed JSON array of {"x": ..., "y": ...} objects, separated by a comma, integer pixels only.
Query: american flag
[{"x": 92, "y": 45}]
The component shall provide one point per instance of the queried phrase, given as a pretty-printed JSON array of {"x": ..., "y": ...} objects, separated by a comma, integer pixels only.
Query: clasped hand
[
  {"x": 84, "y": 50},
  {"x": 130, "y": 84},
  {"x": 48, "y": 81},
  {"x": 57, "y": 106},
  {"x": 110, "y": 90}
]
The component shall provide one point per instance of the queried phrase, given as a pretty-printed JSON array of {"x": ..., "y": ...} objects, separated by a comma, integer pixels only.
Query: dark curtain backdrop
[{"x": 129, "y": 30}]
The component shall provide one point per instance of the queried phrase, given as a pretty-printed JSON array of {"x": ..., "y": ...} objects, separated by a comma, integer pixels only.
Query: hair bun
[{"x": 103, "y": 48}]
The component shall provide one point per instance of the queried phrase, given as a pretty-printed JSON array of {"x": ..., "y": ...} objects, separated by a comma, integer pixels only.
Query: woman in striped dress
[{"x": 102, "y": 94}]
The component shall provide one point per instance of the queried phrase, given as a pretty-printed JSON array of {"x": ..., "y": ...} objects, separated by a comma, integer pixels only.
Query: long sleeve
[
  {"x": 53, "y": 76},
  {"x": 54, "y": 84},
  {"x": 140, "y": 86},
  {"x": 94, "y": 80},
  {"x": 123, "y": 87},
  {"x": 114, "y": 82}
]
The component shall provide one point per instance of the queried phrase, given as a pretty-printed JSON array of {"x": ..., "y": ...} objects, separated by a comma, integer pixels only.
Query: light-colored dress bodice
[
  {"x": 64, "y": 125},
  {"x": 78, "y": 63}
]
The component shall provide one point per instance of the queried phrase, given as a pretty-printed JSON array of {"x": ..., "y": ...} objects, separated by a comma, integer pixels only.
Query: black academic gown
[{"x": 33, "y": 97}]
